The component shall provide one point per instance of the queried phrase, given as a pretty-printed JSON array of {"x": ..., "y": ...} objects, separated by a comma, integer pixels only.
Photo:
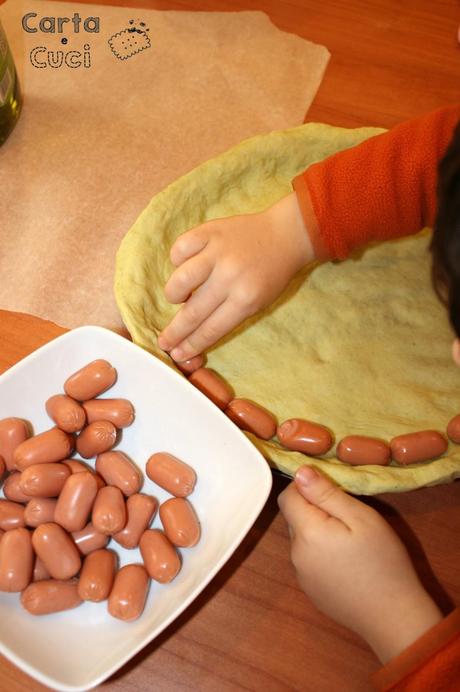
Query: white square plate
[{"x": 78, "y": 649}]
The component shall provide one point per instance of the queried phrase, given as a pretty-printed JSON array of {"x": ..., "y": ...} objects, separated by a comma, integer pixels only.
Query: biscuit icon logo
[{"x": 126, "y": 43}]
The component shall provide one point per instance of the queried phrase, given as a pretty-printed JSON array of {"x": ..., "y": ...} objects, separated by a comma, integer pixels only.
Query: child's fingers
[
  {"x": 189, "y": 244},
  {"x": 300, "y": 515},
  {"x": 196, "y": 310},
  {"x": 322, "y": 493},
  {"x": 221, "y": 321},
  {"x": 187, "y": 278}
]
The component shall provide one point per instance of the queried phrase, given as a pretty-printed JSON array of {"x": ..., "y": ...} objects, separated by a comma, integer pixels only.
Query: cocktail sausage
[
  {"x": 44, "y": 480},
  {"x": 76, "y": 501},
  {"x": 160, "y": 557},
  {"x": 16, "y": 560},
  {"x": 120, "y": 412},
  {"x": 171, "y": 474},
  {"x": 67, "y": 413},
  {"x": 50, "y": 596},
  {"x": 90, "y": 381},
  {"x": 251, "y": 417},
  {"x": 57, "y": 550},
  {"x": 180, "y": 522},
  {"x": 360, "y": 450},
  {"x": 213, "y": 386},
  {"x": 420, "y": 446},
  {"x": 51, "y": 445},
  {"x": 109, "y": 510},
  {"x": 97, "y": 575},
  {"x": 118, "y": 470},
  {"x": 304, "y": 436},
  {"x": 96, "y": 438},
  {"x": 129, "y": 592}
]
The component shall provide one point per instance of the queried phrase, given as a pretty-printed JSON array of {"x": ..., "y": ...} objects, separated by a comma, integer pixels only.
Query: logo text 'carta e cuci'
[{"x": 41, "y": 57}]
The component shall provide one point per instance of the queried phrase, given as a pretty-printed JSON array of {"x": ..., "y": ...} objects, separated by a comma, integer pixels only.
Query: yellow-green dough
[{"x": 361, "y": 346}]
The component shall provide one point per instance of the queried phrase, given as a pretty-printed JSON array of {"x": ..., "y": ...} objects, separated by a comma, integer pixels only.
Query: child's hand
[
  {"x": 353, "y": 566},
  {"x": 229, "y": 269}
]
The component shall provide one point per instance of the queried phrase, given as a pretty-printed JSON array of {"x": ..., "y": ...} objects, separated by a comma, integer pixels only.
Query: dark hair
[{"x": 445, "y": 245}]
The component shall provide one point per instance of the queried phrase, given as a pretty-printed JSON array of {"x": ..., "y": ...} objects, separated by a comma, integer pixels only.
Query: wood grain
[
  {"x": 390, "y": 59},
  {"x": 253, "y": 628}
]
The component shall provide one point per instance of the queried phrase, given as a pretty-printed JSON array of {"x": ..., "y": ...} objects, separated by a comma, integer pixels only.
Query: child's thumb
[{"x": 322, "y": 493}]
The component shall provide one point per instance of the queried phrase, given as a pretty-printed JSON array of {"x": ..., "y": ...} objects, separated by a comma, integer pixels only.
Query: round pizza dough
[{"x": 361, "y": 346}]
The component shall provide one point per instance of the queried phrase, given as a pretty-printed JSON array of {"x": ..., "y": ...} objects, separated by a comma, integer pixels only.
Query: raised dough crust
[{"x": 361, "y": 346}]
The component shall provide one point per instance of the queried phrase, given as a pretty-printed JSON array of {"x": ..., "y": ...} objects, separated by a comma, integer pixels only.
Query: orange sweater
[{"x": 382, "y": 189}]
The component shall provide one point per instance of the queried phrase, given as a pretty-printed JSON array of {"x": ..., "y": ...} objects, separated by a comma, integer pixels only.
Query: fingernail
[
  {"x": 305, "y": 475},
  {"x": 178, "y": 354}
]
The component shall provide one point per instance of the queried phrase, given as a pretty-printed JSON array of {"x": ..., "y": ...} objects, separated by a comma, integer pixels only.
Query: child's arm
[
  {"x": 356, "y": 570},
  {"x": 353, "y": 566},
  {"x": 228, "y": 269},
  {"x": 383, "y": 188}
]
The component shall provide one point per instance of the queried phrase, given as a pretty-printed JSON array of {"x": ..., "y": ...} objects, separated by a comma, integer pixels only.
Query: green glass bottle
[{"x": 10, "y": 93}]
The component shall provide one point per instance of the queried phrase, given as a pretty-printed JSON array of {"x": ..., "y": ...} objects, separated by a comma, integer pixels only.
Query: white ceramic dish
[{"x": 78, "y": 649}]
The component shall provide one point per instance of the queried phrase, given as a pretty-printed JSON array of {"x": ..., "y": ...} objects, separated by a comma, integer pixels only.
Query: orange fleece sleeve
[
  {"x": 431, "y": 663},
  {"x": 381, "y": 189}
]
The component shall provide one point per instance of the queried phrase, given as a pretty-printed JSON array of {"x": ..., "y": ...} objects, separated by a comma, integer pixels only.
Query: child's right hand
[
  {"x": 229, "y": 269},
  {"x": 353, "y": 566}
]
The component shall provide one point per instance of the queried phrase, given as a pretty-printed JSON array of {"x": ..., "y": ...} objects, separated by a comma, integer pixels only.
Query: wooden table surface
[{"x": 253, "y": 628}]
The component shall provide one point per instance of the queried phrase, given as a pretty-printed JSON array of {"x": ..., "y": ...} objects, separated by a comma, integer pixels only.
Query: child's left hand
[{"x": 353, "y": 566}]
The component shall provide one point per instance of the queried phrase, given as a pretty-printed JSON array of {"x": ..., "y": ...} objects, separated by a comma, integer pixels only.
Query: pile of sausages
[
  {"x": 59, "y": 513},
  {"x": 313, "y": 439}
]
